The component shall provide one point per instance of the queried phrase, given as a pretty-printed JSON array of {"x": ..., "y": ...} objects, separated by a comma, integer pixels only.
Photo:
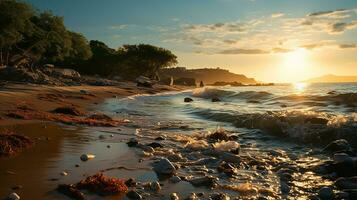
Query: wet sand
[{"x": 58, "y": 147}]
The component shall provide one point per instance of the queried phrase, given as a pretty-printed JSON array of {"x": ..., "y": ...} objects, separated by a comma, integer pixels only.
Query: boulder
[
  {"x": 326, "y": 193},
  {"x": 143, "y": 81},
  {"x": 132, "y": 142},
  {"x": 208, "y": 181},
  {"x": 164, "y": 166},
  {"x": 187, "y": 99},
  {"x": 346, "y": 182},
  {"x": 66, "y": 73},
  {"x": 338, "y": 146},
  {"x": 216, "y": 99}
]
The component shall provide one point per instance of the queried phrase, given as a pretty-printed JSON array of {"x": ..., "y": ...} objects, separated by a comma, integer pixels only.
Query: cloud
[
  {"x": 277, "y": 15},
  {"x": 340, "y": 27},
  {"x": 337, "y": 14},
  {"x": 281, "y": 50},
  {"x": 118, "y": 27},
  {"x": 243, "y": 51},
  {"x": 347, "y": 46},
  {"x": 314, "y": 45}
]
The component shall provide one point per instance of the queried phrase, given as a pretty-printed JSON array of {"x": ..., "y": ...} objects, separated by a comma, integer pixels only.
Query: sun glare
[{"x": 295, "y": 65}]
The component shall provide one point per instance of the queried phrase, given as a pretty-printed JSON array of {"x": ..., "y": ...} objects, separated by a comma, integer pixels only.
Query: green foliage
[
  {"x": 28, "y": 37},
  {"x": 144, "y": 59}
]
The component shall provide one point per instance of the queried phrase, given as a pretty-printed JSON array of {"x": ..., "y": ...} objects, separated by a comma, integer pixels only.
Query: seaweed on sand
[
  {"x": 98, "y": 184},
  {"x": 11, "y": 143},
  {"x": 93, "y": 120}
]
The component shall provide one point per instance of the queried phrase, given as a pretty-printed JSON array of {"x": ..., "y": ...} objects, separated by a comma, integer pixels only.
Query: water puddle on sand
[{"x": 57, "y": 149}]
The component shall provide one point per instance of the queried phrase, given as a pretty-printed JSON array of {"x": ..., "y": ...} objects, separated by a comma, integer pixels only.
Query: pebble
[
  {"x": 108, "y": 146},
  {"x": 284, "y": 188},
  {"x": 130, "y": 182},
  {"x": 132, "y": 142},
  {"x": 192, "y": 196},
  {"x": 341, "y": 157},
  {"x": 13, "y": 196},
  {"x": 208, "y": 181},
  {"x": 76, "y": 165},
  {"x": 85, "y": 157},
  {"x": 102, "y": 137},
  {"x": 326, "y": 193},
  {"x": 187, "y": 99},
  {"x": 133, "y": 195},
  {"x": 160, "y": 138},
  {"x": 155, "y": 145},
  {"x": 164, "y": 166},
  {"x": 174, "y": 196},
  {"x": 229, "y": 157},
  {"x": 64, "y": 173},
  {"x": 153, "y": 186}
]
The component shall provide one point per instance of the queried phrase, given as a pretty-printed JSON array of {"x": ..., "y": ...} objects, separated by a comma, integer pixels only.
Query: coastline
[{"x": 45, "y": 98}]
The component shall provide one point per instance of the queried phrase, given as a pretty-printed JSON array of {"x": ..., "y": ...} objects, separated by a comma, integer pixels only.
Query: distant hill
[
  {"x": 207, "y": 75},
  {"x": 333, "y": 79}
]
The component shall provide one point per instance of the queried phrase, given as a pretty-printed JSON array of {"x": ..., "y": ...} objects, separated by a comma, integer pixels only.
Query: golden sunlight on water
[{"x": 300, "y": 87}]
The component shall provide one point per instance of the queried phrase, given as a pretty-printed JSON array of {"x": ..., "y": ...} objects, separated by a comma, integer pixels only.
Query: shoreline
[{"x": 45, "y": 98}]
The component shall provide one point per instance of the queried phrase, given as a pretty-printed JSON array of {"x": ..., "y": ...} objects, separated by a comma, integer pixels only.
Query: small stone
[
  {"x": 13, "y": 196},
  {"x": 341, "y": 157},
  {"x": 85, "y": 157},
  {"x": 153, "y": 186},
  {"x": 155, "y": 145},
  {"x": 130, "y": 182},
  {"x": 175, "y": 179},
  {"x": 102, "y": 137},
  {"x": 284, "y": 188},
  {"x": 338, "y": 145},
  {"x": 326, "y": 193},
  {"x": 174, "y": 196},
  {"x": 208, "y": 181},
  {"x": 76, "y": 165},
  {"x": 160, "y": 138},
  {"x": 164, "y": 166},
  {"x": 133, "y": 195},
  {"x": 146, "y": 148},
  {"x": 192, "y": 196},
  {"x": 232, "y": 158},
  {"x": 220, "y": 196},
  {"x": 132, "y": 142},
  {"x": 111, "y": 135},
  {"x": 216, "y": 99},
  {"x": 187, "y": 99},
  {"x": 64, "y": 173},
  {"x": 108, "y": 146}
]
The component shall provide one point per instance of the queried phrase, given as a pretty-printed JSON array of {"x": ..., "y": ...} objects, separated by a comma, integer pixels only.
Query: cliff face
[{"x": 207, "y": 75}]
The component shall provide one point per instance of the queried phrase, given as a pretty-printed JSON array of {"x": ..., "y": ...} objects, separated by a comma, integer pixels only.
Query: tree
[
  {"x": 79, "y": 52},
  {"x": 15, "y": 24},
  {"x": 144, "y": 59}
]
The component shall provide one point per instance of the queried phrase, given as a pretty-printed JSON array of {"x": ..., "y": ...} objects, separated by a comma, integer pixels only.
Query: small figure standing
[{"x": 202, "y": 84}]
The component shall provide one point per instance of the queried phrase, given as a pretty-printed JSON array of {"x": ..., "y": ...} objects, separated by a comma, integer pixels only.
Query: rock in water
[
  {"x": 231, "y": 158},
  {"x": 208, "y": 181},
  {"x": 326, "y": 193},
  {"x": 187, "y": 99},
  {"x": 13, "y": 196},
  {"x": 175, "y": 179},
  {"x": 216, "y": 99},
  {"x": 164, "y": 166},
  {"x": 132, "y": 142},
  {"x": 133, "y": 195},
  {"x": 174, "y": 196},
  {"x": 85, "y": 157},
  {"x": 155, "y": 145},
  {"x": 347, "y": 183},
  {"x": 338, "y": 145}
]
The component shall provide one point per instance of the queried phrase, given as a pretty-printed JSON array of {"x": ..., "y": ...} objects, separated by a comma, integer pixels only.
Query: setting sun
[{"x": 295, "y": 65}]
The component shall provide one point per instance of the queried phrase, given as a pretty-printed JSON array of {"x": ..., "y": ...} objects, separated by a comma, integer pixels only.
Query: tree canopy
[{"x": 29, "y": 37}]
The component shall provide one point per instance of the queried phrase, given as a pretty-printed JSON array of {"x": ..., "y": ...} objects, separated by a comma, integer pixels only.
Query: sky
[{"x": 269, "y": 40}]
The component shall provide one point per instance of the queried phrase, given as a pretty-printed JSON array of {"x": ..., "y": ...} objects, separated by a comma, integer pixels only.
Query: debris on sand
[
  {"x": 101, "y": 184},
  {"x": 220, "y": 134},
  {"x": 71, "y": 191},
  {"x": 93, "y": 120},
  {"x": 11, "y": 143},
  {"x": 68, "y": 111}
]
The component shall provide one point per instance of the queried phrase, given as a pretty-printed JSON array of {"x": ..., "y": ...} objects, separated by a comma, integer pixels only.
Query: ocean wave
[
  {"x": 210, "y": 92},
  {"x": 302, "y": 126}
]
